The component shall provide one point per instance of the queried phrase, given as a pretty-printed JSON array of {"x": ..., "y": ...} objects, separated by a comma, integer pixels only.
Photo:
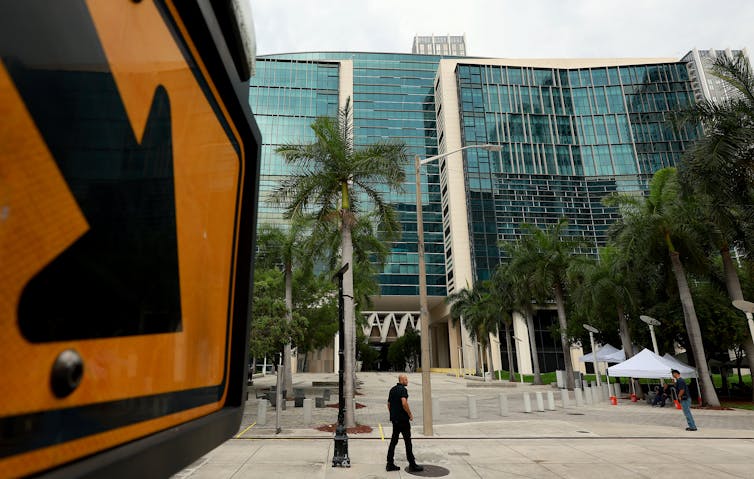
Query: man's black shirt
[{"x": 397, "y": 413}]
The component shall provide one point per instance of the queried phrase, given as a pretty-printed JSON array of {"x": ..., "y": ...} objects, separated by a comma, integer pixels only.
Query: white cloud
[{"x": 507, "y": 28}]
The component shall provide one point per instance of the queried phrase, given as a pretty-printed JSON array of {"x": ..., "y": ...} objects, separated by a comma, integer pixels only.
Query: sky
[{"x": 507, "y": 28}]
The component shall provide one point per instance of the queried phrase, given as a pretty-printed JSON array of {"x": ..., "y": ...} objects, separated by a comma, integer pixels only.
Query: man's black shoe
[
  {"x": 415, "y": 468},
  {"x": 691, "y": 429},
  {"x": 392, "y": 467}
]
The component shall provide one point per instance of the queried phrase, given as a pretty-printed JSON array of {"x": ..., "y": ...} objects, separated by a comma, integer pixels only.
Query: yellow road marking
[
  {"x": 242, "y": 432},
  {"x": 382, "y": 435}
]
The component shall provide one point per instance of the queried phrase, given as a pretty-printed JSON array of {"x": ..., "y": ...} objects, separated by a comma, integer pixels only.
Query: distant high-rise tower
[
  {"x": 706, "y": 85},
  {"x": 440, "y": 45}
]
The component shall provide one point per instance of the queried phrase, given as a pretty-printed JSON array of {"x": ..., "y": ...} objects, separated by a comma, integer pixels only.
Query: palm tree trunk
[
  {"x": 628, "y": 346},
  {"x": 350, "y": 321},
  {"x": 511, "y": 377},
  {"x": 709, "y": 396},
  {"x": 489, "y": 358},
  {"x": 533, "y": 344},
  {"x": 288, "y": 373},
  {"x": 733, "y": 285},
  {"x": 560, "y": 303}
]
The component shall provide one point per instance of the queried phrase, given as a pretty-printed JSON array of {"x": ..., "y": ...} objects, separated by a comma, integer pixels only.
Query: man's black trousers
[{"x": 404, "y": 428}]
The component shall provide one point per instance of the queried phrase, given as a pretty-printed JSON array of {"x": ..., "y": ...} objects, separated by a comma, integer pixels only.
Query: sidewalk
[{"x": 628, "y": 440}]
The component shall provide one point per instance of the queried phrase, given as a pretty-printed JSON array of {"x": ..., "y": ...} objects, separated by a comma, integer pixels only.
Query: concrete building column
[
  {"x": 523, "y": 351},
  {"x": 497, "y": 363},
  {"x": 454, "y": 345}
]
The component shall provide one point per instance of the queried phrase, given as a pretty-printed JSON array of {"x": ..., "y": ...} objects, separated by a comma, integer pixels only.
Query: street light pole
[
  {"x": 423, "y": 307},
  {"x": 652, "y": 322},
  {"x": 593, "y": 330},
  {"x": 748, "y": 308}
]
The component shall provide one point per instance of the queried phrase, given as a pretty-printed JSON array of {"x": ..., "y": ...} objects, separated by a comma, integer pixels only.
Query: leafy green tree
[
  {"x": 270, "y": 329},
  {"x": 316, "y": 299},
  {"x": 368, "y": 356},
  {"x": 405, "y": 351},
  {"x": 288, "y": 249},
  {"x": 335, "y": 181},
  {"x": 663, "y": 223},
  {"x": 544, "y": 257}
]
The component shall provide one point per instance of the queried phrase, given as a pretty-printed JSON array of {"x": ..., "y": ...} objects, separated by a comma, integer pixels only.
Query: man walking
[
  {"x": 683, "y": 396},
  {"x": 401, "y": 417}
]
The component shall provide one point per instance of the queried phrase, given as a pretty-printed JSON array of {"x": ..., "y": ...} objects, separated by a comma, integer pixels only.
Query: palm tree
[
  {"x": 719, "y": 170},
  {"x": 721, "y": 162},
  {"x": 475, "y": 307},
  {"x": 610, "y": 282},
  {"x": 335, "y": 181},
  {"x": 524, "y": 292},
  {"x": 504, "y": 302},
  {"x": 544, "y": 257},
  {"x": 284, "y": 248},
  {"x": 663, "y": 223}
]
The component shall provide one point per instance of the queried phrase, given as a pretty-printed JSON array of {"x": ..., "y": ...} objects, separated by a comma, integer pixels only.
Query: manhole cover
[
  {"x": 458, "y": 454},
  {"x": 430, "y": 471}
]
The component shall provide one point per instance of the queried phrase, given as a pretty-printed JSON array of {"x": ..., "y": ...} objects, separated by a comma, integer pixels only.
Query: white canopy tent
[
  {"x": 616, "y": 357},
  {"x": 603, "y": 353},
  {"x": 684, "y": 369},
  {"x": 647, "y": 364}
]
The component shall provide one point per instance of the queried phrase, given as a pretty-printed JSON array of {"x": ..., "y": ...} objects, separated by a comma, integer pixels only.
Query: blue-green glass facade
[
  {"x": 570, "y": 138},
  {"x": 393, "y": 98},
  {"x": 286, "y": 97}
]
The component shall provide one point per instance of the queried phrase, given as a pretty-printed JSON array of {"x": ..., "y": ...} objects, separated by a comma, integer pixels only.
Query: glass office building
[{"x": 571, "y": 131}]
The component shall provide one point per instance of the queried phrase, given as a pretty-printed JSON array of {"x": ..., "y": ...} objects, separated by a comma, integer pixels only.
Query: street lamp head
[
  {"x": 487, "y": 147},
  {"x": 591, "y": 329},
  {"x": 745, "y": 306},
  {"x": 649, "y": 320},
  {"x": 491, "y": 147}
]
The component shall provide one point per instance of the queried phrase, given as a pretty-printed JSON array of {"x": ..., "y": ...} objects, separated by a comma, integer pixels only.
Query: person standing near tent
[{"x": 683, "y": 396}]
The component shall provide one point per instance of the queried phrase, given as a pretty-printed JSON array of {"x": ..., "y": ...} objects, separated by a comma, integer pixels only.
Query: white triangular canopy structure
[
  {"x": 602, "y": 354},
  {"x": 683, "y": 368},
  {"x": 647, "y": 364}
]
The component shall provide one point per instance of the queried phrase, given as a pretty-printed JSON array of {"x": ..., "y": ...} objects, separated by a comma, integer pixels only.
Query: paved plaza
[{"x": 597, "y": 440}]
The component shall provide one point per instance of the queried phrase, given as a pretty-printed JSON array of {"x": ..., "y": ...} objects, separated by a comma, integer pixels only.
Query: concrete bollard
[
  {"x": 435, "y": 407},
  {"x": 471, "y": 400},
  {"x": 605, "y": 392},
  {"x": 564, "y": 398},
  {"x": 262, "y": 412},
  {"x": 616, "y": 388},
  {"x": 596, "y": 395},
  {"x": 578, "y": 394},
  {"x": 550, "y": 401},
  {"x": 540, "y": 401},
  {"x": 588, "y": 398},
  {"x": 503, "y": 400},
  {"x": 308, "y": 411},
  {"x": 527, "y": 403}
]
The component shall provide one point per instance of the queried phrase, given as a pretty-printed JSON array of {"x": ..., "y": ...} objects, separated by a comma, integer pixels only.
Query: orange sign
[{"x": 120, "y": 185}]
